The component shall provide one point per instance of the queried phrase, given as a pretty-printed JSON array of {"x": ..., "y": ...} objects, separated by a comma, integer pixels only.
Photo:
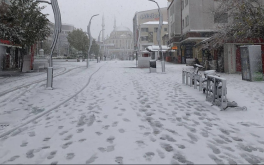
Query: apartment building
[
  {"x": 145, "y": 28},
  {"x": 191, "y": 24},
  {"x": 62, "y": 46}
]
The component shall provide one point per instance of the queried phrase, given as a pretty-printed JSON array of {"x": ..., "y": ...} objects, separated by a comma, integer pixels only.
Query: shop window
[{"x": 144, "y": 29}]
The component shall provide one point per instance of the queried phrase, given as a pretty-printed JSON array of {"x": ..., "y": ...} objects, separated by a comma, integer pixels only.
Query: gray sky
[{"x": 78, "y": 12}]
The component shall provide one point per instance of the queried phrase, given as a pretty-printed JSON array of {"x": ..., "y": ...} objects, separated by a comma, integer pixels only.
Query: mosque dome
[{"x": 122, "y": 29}]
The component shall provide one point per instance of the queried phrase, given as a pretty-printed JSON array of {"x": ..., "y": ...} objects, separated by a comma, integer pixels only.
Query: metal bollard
[
  {"x": 187, "y": 75},
  {"x": 183, "y": 76},
  {"x": 49, "y": 78},
  {"x": 200, "y": 83},
  {"x": 191, "y": 79},
  {"x": 195, "y": 81}
]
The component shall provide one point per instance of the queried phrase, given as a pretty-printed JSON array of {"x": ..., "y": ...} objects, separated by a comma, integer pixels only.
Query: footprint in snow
[
  {"x": 119, "y": 160},
  {"x": 24, "y": 144},
  {"x": 114, "y": 124},
  {"x": 66, "y": 145},
  {"x": 13, "y": 158},
  {"x": 46, "y": 139},
  {"x": 217, "y": 160},
  {"x": 30, "y": 153},
  {"x": 166, "y": 147},
  {"x": 215, "y": 149},
  {"x": 121, "y": 130},
  {"x": 31, "y": 134},
  {"x": 68, "y": 137},
  {"x": 110, "y": 139},
  {"x": 80, "y": 130},
  {"x": 70, "y": 156},
  {"x": 52, "y": 154},
  {"x": 149, "y": 156},
  {"x": 126, "y": 120},
  {"x": 91, "y": 159},
  {"x": 192, "y": 137}
]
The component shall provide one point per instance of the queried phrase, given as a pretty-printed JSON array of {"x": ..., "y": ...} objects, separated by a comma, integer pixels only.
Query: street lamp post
[
  {"x": 90, "y": 37},
  {"x": 99, "y": 43},
  {"x": 159, "y": 35},
  {"x": 57, "y": 30}
]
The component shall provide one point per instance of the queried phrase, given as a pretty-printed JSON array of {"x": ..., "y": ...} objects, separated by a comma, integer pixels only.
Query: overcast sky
[{"x": 78, "y": 12}]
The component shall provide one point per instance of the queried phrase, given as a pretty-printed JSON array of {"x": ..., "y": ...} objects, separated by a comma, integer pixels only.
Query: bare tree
[{"x": 244, "y": 21}]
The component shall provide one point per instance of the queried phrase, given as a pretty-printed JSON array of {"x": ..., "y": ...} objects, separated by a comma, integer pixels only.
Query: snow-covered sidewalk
[{"x": 127, "y": 115}]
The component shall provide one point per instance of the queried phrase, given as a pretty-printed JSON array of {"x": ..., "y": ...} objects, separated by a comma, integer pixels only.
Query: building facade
[
  {"x": 62, "y": 46},
  {"x": 191, "y": 24},
  {"x": 145, "y": 28},
  {"x": 119, "y": 44}
]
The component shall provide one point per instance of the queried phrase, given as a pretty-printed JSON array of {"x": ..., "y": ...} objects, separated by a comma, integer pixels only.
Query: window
[
  {"x": 182, "y": 2},
  {"x": 186, "y": 2},
  {"x": 144, "y": 29},
  {"x": 144, "y": 38},
  {"x": 183, "y": 24},
  {"x": 187, "y": 20},
  {"x": 221, "y": 18},
  {"x": 155, "y": 30},
  {"x": 165, "y": 29}
]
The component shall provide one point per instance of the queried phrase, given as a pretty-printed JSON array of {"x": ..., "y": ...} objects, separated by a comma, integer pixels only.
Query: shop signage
[
  {"x": 5, "y": 42},
  {"x": 174, "y": 48},
  {"x": 149, "y": 16}
]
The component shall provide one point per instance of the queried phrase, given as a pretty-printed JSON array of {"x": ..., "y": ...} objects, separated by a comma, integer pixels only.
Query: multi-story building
[
  {"x": 62, "y": 46},
  {"x": 119, "y": 43},
  {"x": 145, "y": 28},
  {"x": 191, "y": 24}
]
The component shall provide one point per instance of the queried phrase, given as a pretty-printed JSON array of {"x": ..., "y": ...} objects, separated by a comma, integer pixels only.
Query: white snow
[{"x": 128, "y": 115}]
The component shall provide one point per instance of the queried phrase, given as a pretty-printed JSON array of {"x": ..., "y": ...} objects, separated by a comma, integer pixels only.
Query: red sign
[{"x": 5, "y": 42}]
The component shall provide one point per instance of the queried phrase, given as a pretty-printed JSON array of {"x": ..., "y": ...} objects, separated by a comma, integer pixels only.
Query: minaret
[
  {"x": 115, "y": 24},
  {"x": 103, "y": 28}
]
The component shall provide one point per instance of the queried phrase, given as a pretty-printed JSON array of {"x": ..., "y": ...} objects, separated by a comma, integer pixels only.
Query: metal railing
[
  {"x": 194, "y": 79},
  {"x": 215, "y": 87},
  {"x": 216, "y": 91}
]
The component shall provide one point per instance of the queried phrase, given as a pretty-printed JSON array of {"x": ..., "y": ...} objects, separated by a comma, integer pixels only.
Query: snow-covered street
[{"x": 115, "y": 113}]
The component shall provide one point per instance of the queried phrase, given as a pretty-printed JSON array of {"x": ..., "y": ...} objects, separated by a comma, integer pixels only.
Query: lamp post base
[
  {"x": 49, "y": 78},
  {"x": 163, "y": 66}
]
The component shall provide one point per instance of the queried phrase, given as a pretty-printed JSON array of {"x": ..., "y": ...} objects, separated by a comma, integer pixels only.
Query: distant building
[
  {"x": 62, "y": 46},
  {"x": 119, "y": 43},
  {"x": 145, "y": 28}
]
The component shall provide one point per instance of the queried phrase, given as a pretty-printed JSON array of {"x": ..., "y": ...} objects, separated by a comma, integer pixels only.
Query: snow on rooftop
[{"x": 154, "y": 23}]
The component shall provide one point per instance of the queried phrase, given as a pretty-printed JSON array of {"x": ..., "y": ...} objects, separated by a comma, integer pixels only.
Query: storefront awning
[
  {"x": 11, "y": 46},
  {"x": 192, "y": 39},
  {"x": 154, "y": 48}
]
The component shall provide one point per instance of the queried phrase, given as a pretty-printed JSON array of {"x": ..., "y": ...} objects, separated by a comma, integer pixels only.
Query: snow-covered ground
[{"x": 113, "y": 112}]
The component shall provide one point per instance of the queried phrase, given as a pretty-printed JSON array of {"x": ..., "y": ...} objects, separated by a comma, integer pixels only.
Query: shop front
[{"x": 9, "y": 56}]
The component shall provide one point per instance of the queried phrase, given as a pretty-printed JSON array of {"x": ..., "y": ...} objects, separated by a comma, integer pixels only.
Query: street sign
[{"x": 174, "y": 48}]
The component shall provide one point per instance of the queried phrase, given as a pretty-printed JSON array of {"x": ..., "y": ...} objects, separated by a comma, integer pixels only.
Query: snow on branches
[
  {"x": 244, "y": 21},
  {"x": 22, "y": 22}
]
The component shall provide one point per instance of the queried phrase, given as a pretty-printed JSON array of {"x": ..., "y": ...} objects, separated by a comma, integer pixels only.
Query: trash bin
[{"x": 152, "y": 66}]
